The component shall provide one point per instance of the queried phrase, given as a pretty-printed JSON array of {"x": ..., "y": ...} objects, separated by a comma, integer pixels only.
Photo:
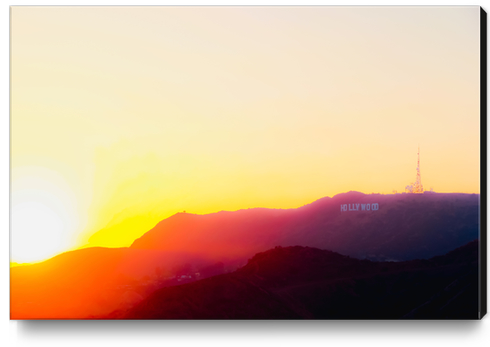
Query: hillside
[
  {"x": 308, "y": 283},
  {"x": 95, "y": 281},
  {"x": 406, "y": 226}
]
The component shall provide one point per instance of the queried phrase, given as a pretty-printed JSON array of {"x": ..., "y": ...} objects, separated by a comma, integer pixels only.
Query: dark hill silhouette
[
  {"x": 309, "y": 283},
  {"x": 406, "y": 226}
]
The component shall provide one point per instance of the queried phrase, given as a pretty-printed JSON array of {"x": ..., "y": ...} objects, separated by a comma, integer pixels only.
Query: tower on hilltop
[{"x": 417, "y": 186}]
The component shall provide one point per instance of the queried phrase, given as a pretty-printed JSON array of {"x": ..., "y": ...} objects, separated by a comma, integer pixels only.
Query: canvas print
[{"x": 247, "y": 162}]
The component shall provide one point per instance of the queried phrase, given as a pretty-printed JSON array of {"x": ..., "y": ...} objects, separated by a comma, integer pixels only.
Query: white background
[{"x": 206, "y": 333}]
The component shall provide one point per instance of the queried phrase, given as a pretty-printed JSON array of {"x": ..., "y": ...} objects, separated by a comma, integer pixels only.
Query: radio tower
[{"x": 417, "y": 186}]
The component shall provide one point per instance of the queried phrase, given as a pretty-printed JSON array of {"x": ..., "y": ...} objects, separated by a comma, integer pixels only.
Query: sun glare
[
  {"x": 43, "y": 220},
  {"x": 39, "y": 232}
]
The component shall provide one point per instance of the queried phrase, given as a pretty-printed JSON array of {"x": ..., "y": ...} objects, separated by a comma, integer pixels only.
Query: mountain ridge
[
  {"x": 322, "y": 224},
  {"x": 96, "y": 280}
]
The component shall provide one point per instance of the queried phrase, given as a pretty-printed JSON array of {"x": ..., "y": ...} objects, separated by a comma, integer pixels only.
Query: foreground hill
[
  {"x": 406, "y": 226},
  {"x": 308, "y": 283}
]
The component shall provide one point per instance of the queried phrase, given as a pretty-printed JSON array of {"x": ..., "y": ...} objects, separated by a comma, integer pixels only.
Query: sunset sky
[{"x": 123, "y": 116}]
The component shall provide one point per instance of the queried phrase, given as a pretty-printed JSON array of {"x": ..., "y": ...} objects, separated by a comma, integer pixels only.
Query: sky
[{"x": 124, "y": 116}]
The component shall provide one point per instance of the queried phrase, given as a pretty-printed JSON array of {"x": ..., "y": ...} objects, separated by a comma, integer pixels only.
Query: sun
[
  {"x": 43, "y": 218},
  {"x": 39, "y": 232}
]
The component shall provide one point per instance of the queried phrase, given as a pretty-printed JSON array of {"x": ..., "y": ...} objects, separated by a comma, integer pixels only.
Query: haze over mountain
[
  {"x": 187, "y": 247},
  {"x": 90, "y": 281}
]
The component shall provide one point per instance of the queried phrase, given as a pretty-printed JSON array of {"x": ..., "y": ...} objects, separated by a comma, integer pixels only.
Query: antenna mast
[{"x": 417, "y": 186}]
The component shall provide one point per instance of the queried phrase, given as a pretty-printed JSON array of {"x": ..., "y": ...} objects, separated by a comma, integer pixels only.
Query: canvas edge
[{"x": 483, "y": 167}]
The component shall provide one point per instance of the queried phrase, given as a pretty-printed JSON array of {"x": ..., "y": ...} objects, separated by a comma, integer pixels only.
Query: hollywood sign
[{"x": 359, "y": 207}]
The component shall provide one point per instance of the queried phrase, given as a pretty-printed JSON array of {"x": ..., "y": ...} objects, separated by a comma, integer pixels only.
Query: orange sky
[{"x": 123, "y": 116}]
